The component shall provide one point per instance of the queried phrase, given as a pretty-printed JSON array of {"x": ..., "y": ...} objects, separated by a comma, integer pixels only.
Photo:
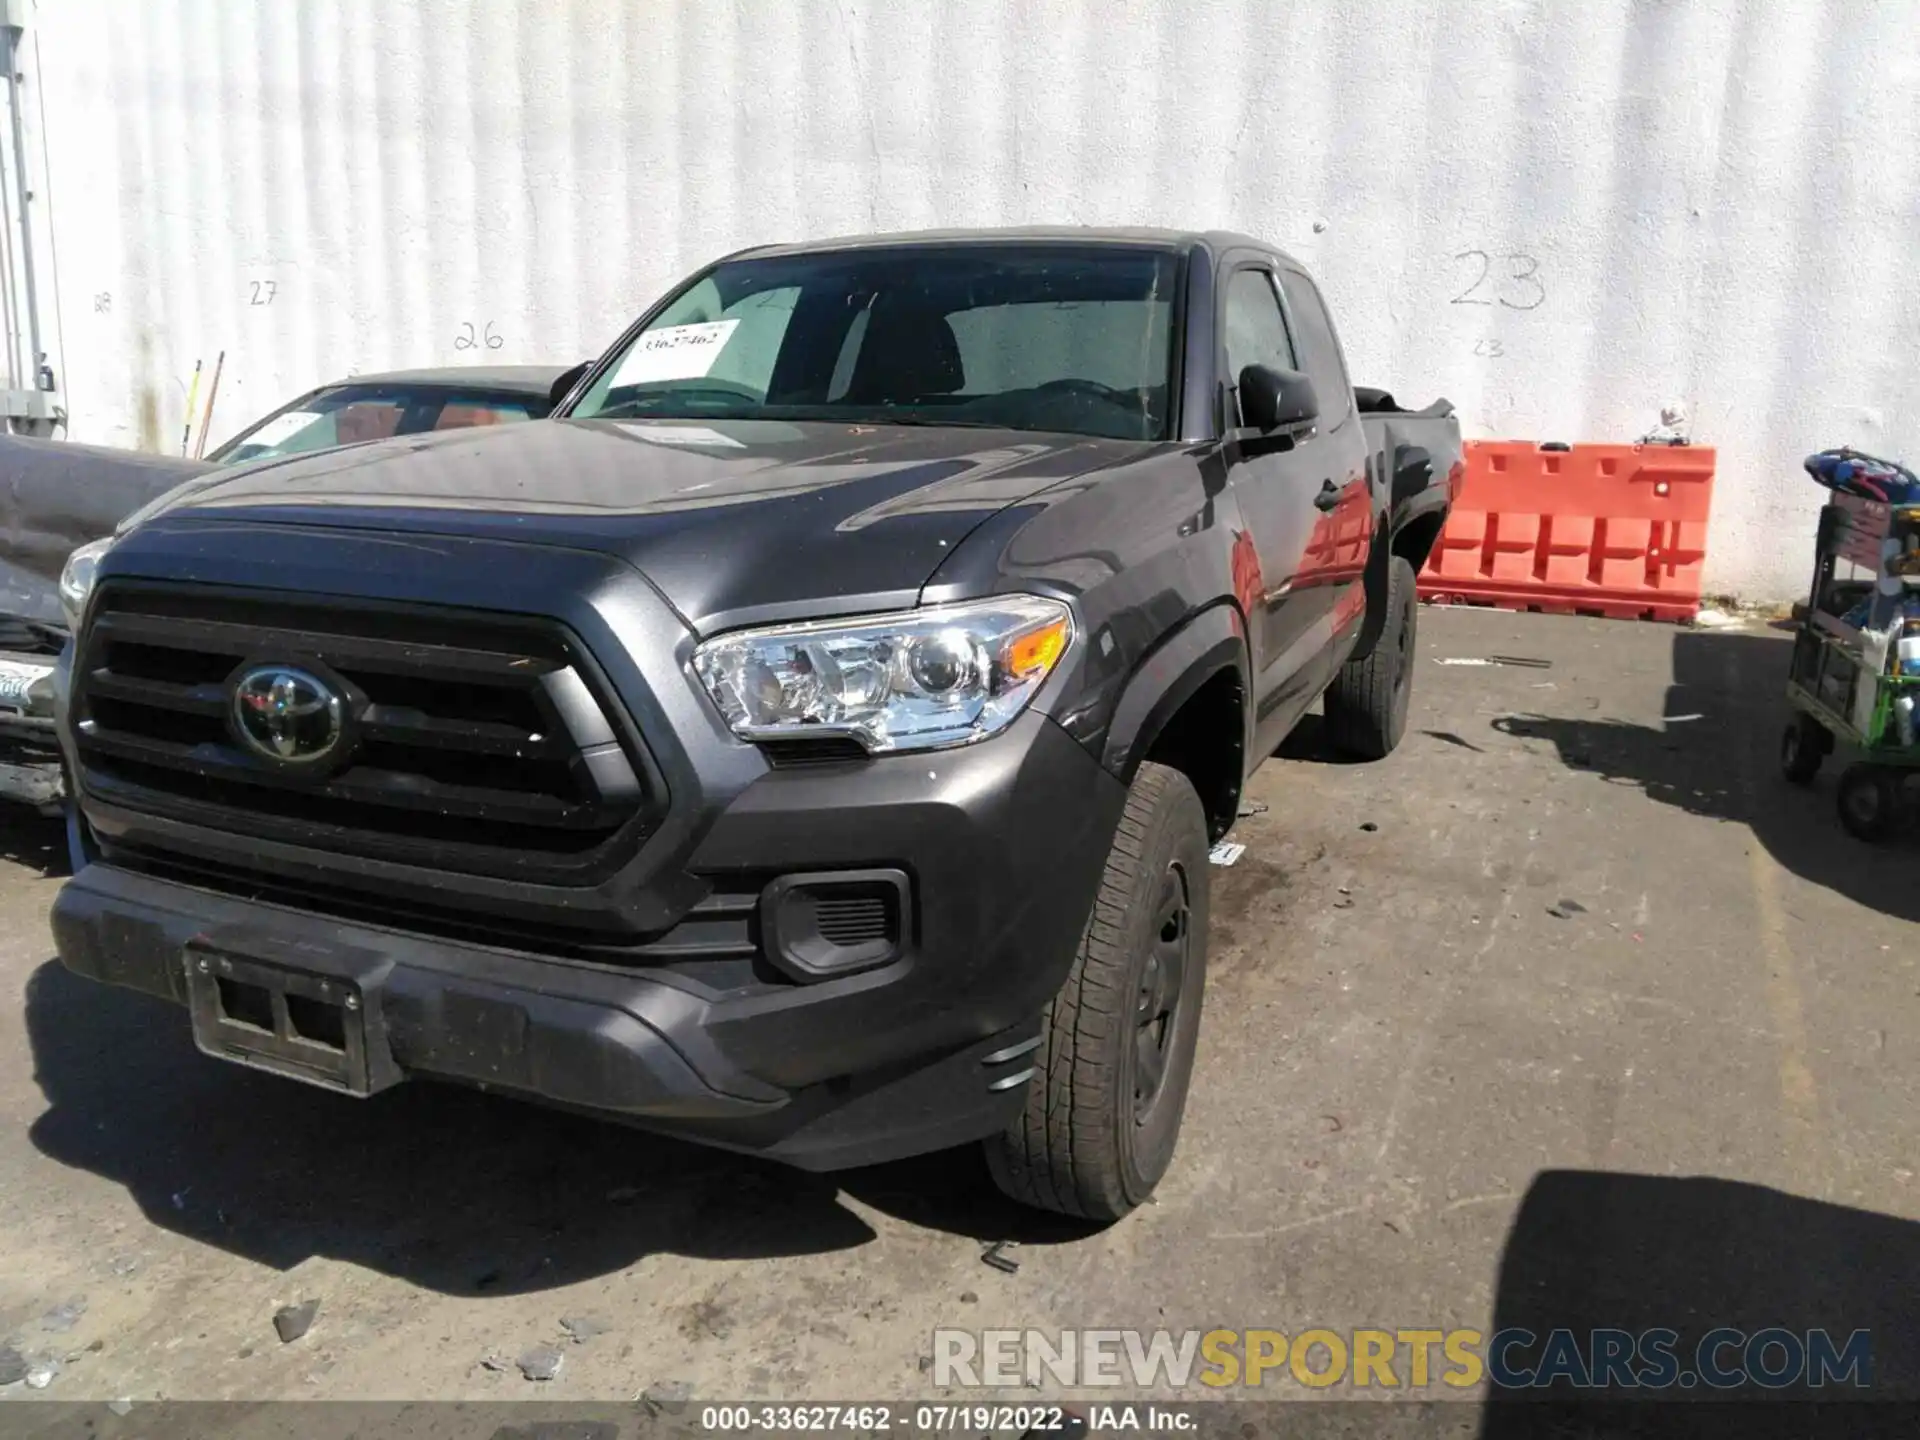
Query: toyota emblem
[{"x": 287, "y": 714}]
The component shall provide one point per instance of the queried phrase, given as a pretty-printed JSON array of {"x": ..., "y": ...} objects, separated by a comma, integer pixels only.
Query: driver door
[
  {"x": 1342, "y": 476},
  {"x": 1271, "y": 481}
]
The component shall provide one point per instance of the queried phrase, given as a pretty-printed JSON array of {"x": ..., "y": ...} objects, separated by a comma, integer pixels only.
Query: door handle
[{"x": 1328, "y": 498}]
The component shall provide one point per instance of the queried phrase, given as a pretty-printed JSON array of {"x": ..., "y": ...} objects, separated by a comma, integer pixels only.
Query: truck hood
[{"x": 732, "y": 521}]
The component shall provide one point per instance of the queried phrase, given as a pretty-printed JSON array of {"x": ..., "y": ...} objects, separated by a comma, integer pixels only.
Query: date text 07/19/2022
[{"x": 945, "y": 1418}]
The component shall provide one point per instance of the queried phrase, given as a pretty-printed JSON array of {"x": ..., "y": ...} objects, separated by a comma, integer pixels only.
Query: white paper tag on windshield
[
  {"x": 282, "y": 428},
  {"x": 679, "y": 352},
  {"x": 683, "y": 435}
]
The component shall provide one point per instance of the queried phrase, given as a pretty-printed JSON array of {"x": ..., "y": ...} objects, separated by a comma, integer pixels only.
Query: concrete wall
[{"x": 1562, "y": 216}]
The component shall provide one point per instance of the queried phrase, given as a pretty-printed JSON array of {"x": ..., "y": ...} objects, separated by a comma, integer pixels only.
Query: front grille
[
  {"x": 30, "y": 736},
  {"x": 474, "y": 742}
]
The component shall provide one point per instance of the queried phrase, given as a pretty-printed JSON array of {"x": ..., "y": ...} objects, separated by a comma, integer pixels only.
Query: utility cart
[{"x": 1855, "y": 679}]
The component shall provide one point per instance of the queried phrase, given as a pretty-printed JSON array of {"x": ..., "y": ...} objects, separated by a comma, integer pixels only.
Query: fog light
[{"x": 818, "y": 926}]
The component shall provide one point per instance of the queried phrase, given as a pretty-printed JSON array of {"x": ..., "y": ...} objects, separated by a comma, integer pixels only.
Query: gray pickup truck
[{"x": 808, "y": 742}]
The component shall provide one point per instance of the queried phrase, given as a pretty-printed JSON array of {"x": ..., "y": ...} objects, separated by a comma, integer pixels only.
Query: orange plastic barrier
[{"x": 1616, "y": 530}]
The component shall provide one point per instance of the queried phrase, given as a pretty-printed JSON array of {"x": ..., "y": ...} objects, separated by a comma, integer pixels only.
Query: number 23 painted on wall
[{"x": 1519, "y": 289}]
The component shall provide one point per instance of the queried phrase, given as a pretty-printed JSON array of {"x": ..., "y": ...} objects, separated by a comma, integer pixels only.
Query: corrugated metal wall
[{"x": 1560, "y": 216}]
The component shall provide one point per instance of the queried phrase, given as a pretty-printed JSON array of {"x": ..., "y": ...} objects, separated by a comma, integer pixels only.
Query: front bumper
[{"x": 1002, "y": 844}]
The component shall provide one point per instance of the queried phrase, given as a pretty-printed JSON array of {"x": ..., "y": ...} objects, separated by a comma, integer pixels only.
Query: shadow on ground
[
  {"x": 457, "y": 1191},
  {"x": 1723, "y": 764},
  {"x": 1308, "y": 741},
  {"x": 38, "y": 842},
  {"x": 1599, "y": 1251}
]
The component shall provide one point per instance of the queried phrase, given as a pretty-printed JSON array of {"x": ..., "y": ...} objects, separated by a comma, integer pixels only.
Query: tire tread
[
  {"x": 1059, "y": 1154},
  {"x": 1360, "y": 703}
]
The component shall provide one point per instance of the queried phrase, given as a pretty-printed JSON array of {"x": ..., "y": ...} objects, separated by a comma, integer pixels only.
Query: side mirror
[
  {"x": 1272, "y": 398},
  {"x": 568, "y": 379}
]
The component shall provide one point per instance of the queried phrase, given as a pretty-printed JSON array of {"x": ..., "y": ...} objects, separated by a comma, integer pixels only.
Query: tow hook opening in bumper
[{"x": 305, "y": 1027}]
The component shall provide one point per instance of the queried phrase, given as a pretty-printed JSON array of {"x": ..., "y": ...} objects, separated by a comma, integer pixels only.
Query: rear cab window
[
  {"x": 356, "y": 414},
  {"x": 460, "y": 412}
]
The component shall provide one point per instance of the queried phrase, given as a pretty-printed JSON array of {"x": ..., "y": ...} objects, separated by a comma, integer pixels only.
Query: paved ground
[{"x": 1422, "y": 1099}]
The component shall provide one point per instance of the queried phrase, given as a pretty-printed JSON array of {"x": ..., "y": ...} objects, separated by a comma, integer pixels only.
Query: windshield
[
  {"x": 349, "y": 414},
  {"x": 1077, "y": 339}
]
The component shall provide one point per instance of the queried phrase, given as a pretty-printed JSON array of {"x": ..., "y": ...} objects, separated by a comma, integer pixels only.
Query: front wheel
[
  {"x": 1870, "y": 802},
  {"x": 1116, "y": 1050},
  {"x": 1368, "y": 701}
]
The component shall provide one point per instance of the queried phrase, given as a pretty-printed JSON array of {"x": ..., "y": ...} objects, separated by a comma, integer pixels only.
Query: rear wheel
[
  {"x": 1368, "y": 701},
  {"x": 1803, "y": 746},
  {"x": 1117, "y": 1043}
]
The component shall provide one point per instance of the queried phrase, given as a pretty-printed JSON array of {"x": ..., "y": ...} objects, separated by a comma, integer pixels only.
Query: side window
[
  {"x": 1256, "y": 333},
  {"x": 1319, "y": 348}
]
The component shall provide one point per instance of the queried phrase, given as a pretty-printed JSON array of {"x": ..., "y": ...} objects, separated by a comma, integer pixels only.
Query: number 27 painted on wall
[{"x": 1518, "y": 289}]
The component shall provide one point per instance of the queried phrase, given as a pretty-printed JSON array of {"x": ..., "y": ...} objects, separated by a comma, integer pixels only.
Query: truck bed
[{"x": 1423, "y": 451}]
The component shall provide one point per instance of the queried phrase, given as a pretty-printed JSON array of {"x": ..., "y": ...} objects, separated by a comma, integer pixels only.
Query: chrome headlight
[
  {"x": 945, "y": 675},
  {"x": 76, "y": 579}
]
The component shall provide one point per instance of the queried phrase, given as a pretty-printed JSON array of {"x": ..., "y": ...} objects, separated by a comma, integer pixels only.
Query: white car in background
[{"x": 56, "y": 498}]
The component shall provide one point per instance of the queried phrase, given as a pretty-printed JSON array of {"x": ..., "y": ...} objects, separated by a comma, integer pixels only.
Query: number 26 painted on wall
[
  {"x": 1519, "y": 289},
  {"x": 467, "y": 340}
]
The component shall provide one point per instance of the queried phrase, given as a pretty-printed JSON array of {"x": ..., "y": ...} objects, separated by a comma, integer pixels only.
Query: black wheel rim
[{"x": 1157, "y": 1006}]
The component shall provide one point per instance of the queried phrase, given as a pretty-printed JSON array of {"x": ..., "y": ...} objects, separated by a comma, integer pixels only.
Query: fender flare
[
  {"x": 1171, "y": 674},
  {"x": 1378, "y": 561},
  {"x": 1411, "y": 474}
]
